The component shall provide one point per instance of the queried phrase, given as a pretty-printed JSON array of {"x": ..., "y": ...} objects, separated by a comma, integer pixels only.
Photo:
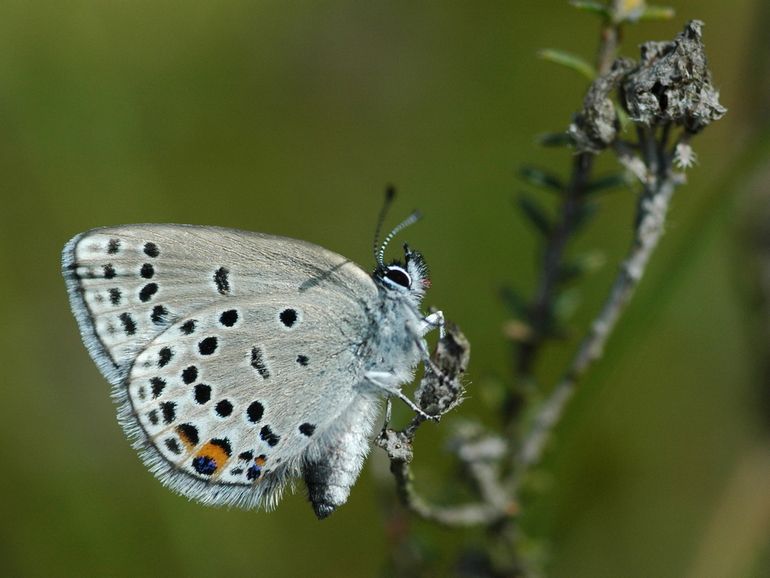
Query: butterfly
[{"x": 242, "y": 361}]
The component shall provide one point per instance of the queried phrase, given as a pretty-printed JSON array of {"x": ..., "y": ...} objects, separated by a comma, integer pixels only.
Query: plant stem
[
  {"x": 651, "y": 218},
  {"x": 540, "y": 314}
]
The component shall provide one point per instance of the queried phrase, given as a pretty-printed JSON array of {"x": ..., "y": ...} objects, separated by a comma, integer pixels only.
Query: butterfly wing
[
  {"x": 238, "y": 404},
  {"x": 127, "y": 284},
  {"x": 230, "y": 352}
]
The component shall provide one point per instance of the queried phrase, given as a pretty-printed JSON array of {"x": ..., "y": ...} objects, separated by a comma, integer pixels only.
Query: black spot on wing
[
  {"x": 202, "y": 393},
  {"x": 288, "y": 317},
  {"x": 113, "y": 246},
  {"x": 229, "y": 317},
  {"x": 267, "y": 434},
  {"x": 258, "y": 362},
  {"x": 190, "y": 374},
  {"x": 223, "y": 408},
  {"x": 115, "y": 295},
  {"x": 146, "y": 293},
  {"x": 129, "y": 325},
  {"x": 255, "y": 411},
  {"x": 158, "y": 385},
  {"x": 208, "y": 345},
  {"x": 307, "y": 429},
  {"x": 151, "y": 250},
  {"x": 188, "y": 433},
  {"x": 173, "y": 446},
  {"x": 168, "y": 409},
  {"x": 159, "y": 314},
  {"x": 164, "y": 356},
  {"x": 222, "y": 280}
]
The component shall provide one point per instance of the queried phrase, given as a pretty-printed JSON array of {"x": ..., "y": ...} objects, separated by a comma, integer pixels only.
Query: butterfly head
[{"x": 409, "y": 276}]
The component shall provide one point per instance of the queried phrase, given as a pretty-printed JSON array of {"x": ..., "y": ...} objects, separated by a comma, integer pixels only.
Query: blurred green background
[{"x": 290, "y": 118}]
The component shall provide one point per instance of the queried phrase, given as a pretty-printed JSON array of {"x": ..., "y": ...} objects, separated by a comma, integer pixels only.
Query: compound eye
[{"x": 398, "y": 276}]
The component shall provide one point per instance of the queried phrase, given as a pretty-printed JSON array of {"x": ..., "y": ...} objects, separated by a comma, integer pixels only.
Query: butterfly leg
[
  {"x": 388, "y": 413},
  {"x": 426, "y": 324},
  {"x": 380, "y": 379},
  {"x": 435, "y": 319}
]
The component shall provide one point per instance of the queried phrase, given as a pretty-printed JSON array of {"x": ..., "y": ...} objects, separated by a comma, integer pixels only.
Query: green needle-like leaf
[
  {"x": 515, "y": 301},
  {"x": 606, "y": 183},
  {"x": 554, "y": 139},
  {"x": 593, "y": 7},
  {"x": 535, "y": 214},
  {"x": 541, "y": 178},
  {"x": 570, "y": 60},
  {"x": 585, "y": 213},
  {"x": 657, "y": 13},
  {"x": 584, "y": 264},
  {"x": 566, "y": 305}
]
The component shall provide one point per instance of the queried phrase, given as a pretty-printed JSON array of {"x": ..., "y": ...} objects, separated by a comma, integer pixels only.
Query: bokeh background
[{"x": 290, "y": 119}]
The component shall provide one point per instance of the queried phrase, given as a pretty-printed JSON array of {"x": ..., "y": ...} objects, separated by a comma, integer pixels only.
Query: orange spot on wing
[{"x": 214, "y": 452}]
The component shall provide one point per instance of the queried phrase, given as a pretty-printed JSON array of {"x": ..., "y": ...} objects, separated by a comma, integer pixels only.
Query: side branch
[
  {"x": 653, "y": 209},
  {"x": 658, "y": 96},
  {"x": 495, "y": 507},
  {"x": 439, "y": 392}
]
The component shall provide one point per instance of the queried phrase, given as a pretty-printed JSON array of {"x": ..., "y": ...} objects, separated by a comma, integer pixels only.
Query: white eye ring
[{"x": 398, "y": 277}]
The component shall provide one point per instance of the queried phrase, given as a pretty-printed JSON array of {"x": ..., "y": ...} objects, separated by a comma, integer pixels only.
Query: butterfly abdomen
[{"x": 332, "y": 465}]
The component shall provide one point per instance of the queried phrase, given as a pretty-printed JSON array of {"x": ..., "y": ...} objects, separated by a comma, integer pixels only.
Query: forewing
[{"x": 128, "y": 284}]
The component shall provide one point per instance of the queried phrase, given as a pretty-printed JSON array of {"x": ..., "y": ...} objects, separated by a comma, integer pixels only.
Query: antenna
[
  {"x": 390, "y": 194},
  {"x": 410, "y": 220},
  {"x": 379, "y": 250}
]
